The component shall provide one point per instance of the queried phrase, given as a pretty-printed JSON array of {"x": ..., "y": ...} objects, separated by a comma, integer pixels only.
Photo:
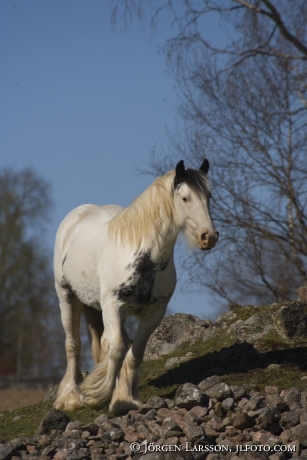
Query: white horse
[{"x": 112, "y": 262}]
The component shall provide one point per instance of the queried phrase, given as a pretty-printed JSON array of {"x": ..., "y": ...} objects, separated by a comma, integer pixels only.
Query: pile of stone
[{"x": 210, "y": 420}]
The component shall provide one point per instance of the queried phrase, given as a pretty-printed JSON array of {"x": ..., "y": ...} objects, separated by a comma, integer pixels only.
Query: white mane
[{"x": 146, "y": 215}]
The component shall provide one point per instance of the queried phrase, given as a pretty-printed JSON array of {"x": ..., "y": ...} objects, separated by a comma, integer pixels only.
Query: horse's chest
[{"x": 141, "y": 287}]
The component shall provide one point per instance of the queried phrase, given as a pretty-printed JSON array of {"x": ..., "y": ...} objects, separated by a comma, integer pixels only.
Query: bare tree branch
[{"x": 243, "y": 105}]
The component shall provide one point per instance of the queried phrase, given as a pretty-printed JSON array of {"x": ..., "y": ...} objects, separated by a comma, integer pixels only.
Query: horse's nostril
[{"x": 204, "y": 236}]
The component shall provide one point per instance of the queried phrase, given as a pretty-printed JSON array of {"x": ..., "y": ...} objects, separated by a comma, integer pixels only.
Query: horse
[{"x": 112, "y": 262}]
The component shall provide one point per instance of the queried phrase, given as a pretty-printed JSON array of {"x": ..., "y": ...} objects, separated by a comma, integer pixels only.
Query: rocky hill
[
  {"x": 261, "y": 345},
  {"x": 236, "y": 388}
]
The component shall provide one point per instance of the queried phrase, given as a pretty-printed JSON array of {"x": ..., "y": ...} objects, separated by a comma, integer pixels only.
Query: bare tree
[
  {"x": 244, "y": 106},
  {"x": 28, "y": 323}
]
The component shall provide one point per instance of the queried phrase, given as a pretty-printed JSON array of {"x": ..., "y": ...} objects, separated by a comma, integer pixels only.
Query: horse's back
[
  {"x": 88, "y": 214},
  {"x": 92, "y": 211}
]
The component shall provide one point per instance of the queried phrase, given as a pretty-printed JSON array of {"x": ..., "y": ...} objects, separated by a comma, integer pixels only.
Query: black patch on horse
[{"x": 138, "y": 287}]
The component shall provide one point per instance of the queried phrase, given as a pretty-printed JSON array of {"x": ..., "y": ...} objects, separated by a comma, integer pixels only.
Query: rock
[
  {"x": 220, "y": 391},
  {"x": 273, "y": 367},
  {"x": 189, "y": 395},
  {"x": 169, "y": 428},
  {"x": 253, "y": 328},
  {"x": 169, "y": 402},
  {"x": 191, "y": 419},
  {"x": 223, "y": 319},
  {"x": 228, "y": 404},
  {"x": 150, "y": 415},
  {"x": 219, "y": 410},
  {"x": 71, "y": 426},
  {"x": 199, "y": 411},
  {"x": 101, "y": 419},
  {"x": 214, "y": 424},
  {"x": 153, "y": 403},
  {"x": 291, "y": 320},
  {"x": 194, "y": 434},
  {"x": 19, "y": 417},
  {"x": 299, "y": 433},
  {"x": 92, "y": 428},
  {"x": 271, "y": 390},
  {"x": 275, "y": 400},
  {"x": 209, "y": 382},
  {"x": 49, "y": 451},
  {"x": 173, "y": 331},
  {"x": 238, "y": 391},
  {"x": 54, "y": 420},
  {"x": 289, "y": 420},
  {"x": 268, "y": 419},
  {"x": 6, "y": 452},
  {"x": 117, "y": 434},
  {"x": 256, "y": 402},
  {"x": 19, "y": 444},
  {"x": 293, "y": 398},
  {"x": 242, "y": 421}
]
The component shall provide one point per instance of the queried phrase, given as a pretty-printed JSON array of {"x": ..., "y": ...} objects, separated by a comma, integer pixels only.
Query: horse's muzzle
[{"x": 208, "y": 240}]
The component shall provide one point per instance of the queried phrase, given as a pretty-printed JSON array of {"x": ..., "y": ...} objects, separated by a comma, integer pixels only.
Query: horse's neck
[
  {"x": 151, "y": 220},
  {"x": 162, "y": 246}
]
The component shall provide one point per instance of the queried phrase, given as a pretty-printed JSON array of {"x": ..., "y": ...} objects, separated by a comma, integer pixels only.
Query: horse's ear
[
  {"x": 205, "y": 166},
  {"x": 180, "y": 173}
]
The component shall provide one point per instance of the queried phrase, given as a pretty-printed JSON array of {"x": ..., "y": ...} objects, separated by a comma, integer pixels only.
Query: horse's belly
[
  {"x": 83, "y": 283},
  {"x": 89, "y": 294}
]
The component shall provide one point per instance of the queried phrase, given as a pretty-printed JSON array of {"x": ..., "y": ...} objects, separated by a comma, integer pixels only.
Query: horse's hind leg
[
  {"x": 94, "y": 321},
  {"x": 69, "y": 396},
  {"x": 98, "y": 386},
  {"x": 95, "y": 325}
]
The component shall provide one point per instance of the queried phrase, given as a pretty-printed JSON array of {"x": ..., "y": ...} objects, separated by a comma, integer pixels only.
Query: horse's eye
[{"x": 184, "y": 199}]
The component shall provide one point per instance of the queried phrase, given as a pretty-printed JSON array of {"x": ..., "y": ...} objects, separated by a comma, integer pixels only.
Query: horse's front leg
[
  {"x": 69, "y": 396},
  {"x": 97, "y": 388},
  {"x": 125, "y": 396}
]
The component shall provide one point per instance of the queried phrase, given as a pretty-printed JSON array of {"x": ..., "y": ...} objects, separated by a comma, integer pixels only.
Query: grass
[
  {"x": 29, "y": 417},
  {"x": 26, "y": 425},
  {"x": 237, "y": 363}
]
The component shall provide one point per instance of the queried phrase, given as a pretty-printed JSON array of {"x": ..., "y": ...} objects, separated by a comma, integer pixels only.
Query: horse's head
[{"x": 191, "y": 197}]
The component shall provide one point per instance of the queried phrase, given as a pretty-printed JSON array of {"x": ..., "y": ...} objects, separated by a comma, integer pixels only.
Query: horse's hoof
[{"x": 123, "y": 407}]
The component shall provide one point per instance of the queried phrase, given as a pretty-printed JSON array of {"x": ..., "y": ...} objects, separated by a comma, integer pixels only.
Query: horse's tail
[{"x": 95, "y": 325}]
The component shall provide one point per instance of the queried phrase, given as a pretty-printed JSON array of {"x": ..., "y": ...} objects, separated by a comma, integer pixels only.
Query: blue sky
[{"x": 83, "y": 105}]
